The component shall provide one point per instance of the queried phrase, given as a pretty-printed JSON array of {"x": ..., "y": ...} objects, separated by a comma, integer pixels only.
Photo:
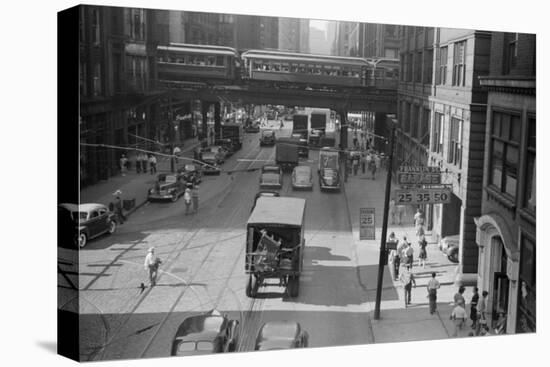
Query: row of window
[
  {"x": 454, "y": 150},
  {"x": 201, "y": 60},
  {"x": 459, "y": 64},
  {"x": 417, "y": 67},
  {"x": 307, "y": 69},
  {"x": 416, "y": 123},
  {"x": 505, "y": 158},
  {"x": 136, "y": 23}
]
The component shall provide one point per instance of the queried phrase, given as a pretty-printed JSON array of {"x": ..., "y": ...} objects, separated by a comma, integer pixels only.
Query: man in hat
[
  {"x": 151, "y": 265},
  {"x": 187, "y": 200},
  {"x": 195, "y": 197},
  {"x": 459, "y": 317},
  {"x": 118, "y": 207}
]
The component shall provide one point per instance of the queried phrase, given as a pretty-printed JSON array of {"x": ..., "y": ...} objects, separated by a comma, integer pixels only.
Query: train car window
[
  {"x": 211, "y": 60},
  {"x": 219, "y": 61},
  {"x": 285, "y": 67}
]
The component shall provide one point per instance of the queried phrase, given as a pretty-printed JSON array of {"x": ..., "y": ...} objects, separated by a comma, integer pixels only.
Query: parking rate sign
[{"x": 366, "y": 224}]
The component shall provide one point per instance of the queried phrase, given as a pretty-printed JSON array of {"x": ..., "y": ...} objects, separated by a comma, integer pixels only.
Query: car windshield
[
  {"x": 271, "y": 169},
  {"x": 79, "y": 216},
  {"x": 205, "y": 346},
  {"x": 170, "y": 179},
  {"x": 184, "y": 347}
]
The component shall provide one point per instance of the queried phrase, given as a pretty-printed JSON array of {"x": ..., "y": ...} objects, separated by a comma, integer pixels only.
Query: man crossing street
[{"x": 407, "y": 279}]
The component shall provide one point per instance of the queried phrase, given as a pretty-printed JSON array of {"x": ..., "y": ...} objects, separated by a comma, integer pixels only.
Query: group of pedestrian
[
  {"x": 191, "y": 198},
  {"x": 478, "y": 312},
  {"x": 402, "y": 253},
  {"x": 368, "y": 160},
  {"x": 141, "y": 162}
]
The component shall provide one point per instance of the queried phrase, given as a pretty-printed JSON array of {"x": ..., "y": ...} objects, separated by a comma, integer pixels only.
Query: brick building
[{"x": 506, "y": 226}]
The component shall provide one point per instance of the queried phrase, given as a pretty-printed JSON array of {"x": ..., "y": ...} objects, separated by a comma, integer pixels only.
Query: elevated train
[{"x": 204, "y": 63}]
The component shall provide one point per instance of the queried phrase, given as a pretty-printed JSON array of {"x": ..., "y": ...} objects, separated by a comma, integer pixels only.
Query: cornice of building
[{"x": 509, "y": 84}]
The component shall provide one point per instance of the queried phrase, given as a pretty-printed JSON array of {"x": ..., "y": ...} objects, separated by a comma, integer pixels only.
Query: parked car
[
  {"x": 192, "y": 173},
  {"x": 169, "y": 186},
  {"x": 252, "y": 128},
  {"x": 449, "y": 246},
  {"x": 210, "y": 166},
  {"x": 302, "y": 178},
  {"x": 205, "y": 334},
  {"x": 267, "y": 137},
  {"x": 271, "y": 177},
  {"x": 220, "y": 153},
  {"x": 264, "y": 193},
  {"x": 92, "y": 220},
  {"x": 281, "y": 335}
]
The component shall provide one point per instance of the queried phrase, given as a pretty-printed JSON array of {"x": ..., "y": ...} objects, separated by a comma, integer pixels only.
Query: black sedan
[
  {"x": 91, "y": 220},
  {"x": 271, "y": 177},
  {"x": 281, "y": 335},
  {"x": 267, "y": 137},
  {"x": 206, "y": 333}
]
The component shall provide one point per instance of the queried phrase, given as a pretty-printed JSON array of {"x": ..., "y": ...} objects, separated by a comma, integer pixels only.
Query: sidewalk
[
  {"x": 397, "y": 323},
  {"x": 132, "y": 185}
]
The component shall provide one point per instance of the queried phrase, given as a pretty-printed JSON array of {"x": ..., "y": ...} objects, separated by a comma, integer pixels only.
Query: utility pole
[{"x": 383, "y": 255}]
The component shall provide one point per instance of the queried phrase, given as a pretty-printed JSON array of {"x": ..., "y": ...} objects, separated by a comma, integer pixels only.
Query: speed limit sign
[{"x": 366, "y": 224}]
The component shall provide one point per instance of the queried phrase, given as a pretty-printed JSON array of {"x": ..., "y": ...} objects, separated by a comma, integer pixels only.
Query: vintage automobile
[
  {"x": 226, "y": 145},
  {"x": 252, "y": 128},
  {"x": 206, "y": 333},
  {"x": 92, "y": 220},
  {"x": 192, "y": 173},
  {"x": 211, "y": 165},
  {"x": 275, "y": 244},
  {"x": 449, "y": 246},
  {"x": 267, "y": 137},
  {"x": 281, "y": 335},
  {"x": 302, "y": 178},
  {"x": 271, "y": 177},
  {"x": 264, "y": 193},
  {"x": 220, "y": 153},
  {"x": 169, "y": 186}
]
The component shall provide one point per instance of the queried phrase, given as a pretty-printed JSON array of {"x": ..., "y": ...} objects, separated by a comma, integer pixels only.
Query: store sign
[
  {"x": 366, "y": 224},
  {"x": 422, "y": 196},
  {"x": 418, "y": 175}
]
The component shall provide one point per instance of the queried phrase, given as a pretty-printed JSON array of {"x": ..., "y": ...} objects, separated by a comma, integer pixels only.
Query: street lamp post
[{"x": 383, "y": 254}]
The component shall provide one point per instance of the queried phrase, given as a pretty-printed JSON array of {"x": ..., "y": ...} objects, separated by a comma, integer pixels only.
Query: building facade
[
  {"x": 116, "y": 81},
  {"x": 458, "y": 112},
  {"x": 379, "y": 40},
  {"x": 506, "y": 226},
  {"x": 254, "y": 32},
  {"x": 294, "y": 35},
  {"x": 413, "y": 133}
]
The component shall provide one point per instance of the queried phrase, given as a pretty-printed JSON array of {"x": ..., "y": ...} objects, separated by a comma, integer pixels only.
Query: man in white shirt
[
  {"x": 151, "y": 264},
  {"x": 459, "y": 316},
  {"x": 433, "y": 286}
]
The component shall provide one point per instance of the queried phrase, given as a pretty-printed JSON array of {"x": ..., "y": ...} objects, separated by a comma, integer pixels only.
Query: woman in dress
[{"x": 423, "y": 255}]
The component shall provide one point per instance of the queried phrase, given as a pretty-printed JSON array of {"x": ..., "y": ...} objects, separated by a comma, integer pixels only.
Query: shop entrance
[{"x": 501, "y": 285}]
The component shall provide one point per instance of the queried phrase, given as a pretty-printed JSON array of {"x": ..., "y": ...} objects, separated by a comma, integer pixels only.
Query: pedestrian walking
[
  {"x": 368, "y": 159},
  {"x": 433, "y": 286},
  {"x": 400, "y": 211},
  {"x": 394, "y": 254},
  {"x": 422, "y": 255},
  {"x": 153, "y": 164},
  {"x": 138, "y": 163},
  {"x": 482, "y": 312},
  {"x": 143, "y": 158},
  {"x": 409, "y": 252},
  {"x": 373, "y": 168},
  {"x": 187, "y": 199},
  {"x": 377, "y": 162},
  {"x": 123, "y": 164},
  {"x": 195, "y": 197},
  {"x": 392, "y": 211},
  {"x": 407, "y": 279},
  {"x": 355, "y": 164},
  {"x": 458, "y": 315},
  {"x": 355, "y": 140},
  {"x": 459, "y": 296},
  {"x": 419, "y": 222},
  {"x": 473, "y": 307},
  {"x": 363, "y": 161},
  {"x": 151, "y": 264},
  {"x": 118, "y": 207}
]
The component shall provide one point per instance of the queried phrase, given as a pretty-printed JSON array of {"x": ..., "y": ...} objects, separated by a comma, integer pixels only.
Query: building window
[
  {"x": 95, "y": 27},
  {"x": 82, "y": 25},
  {"x": 97, "y": 79},
  {"x": 511, "y": 49},
  {"x": 437, "y": 142},
  {"x": 526, "y": 312},
  {"x": 428, "y": 66},
  {"x": 531, "y": 172},
  {"x": 418, "y": 67},
  {"x": 424, "y": 128},
  {"x": 409, "y": 67},
  {"x": 459, "y": 64},
  {"x": 455, "y": 143},
  {"x": 83, "y": 86},
  {"x": 442, "y": 72},
  {"x": 505, "y": 135},
  {"x": 414, "y": 121},
  {"x": 402, "y": 62}
]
